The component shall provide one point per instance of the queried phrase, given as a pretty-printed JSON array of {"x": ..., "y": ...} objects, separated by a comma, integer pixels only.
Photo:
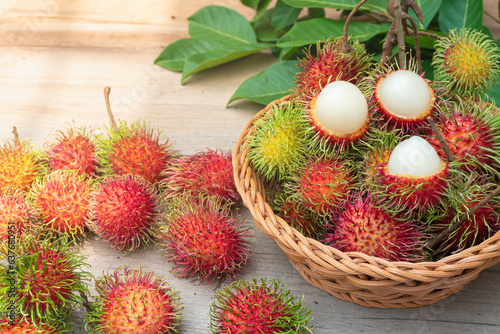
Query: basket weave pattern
[{"x": 356, "y": 277}]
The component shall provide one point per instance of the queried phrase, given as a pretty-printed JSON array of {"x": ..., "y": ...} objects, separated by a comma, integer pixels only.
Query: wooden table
[{"x": 56, "y": 57}]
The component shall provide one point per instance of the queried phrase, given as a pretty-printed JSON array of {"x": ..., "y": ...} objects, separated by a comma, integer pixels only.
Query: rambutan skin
[
  {"x": 124, "y": 211},
  {"x": 15, "y": 216},
  {"x": 203, "y": 237},
  {"x": 364, "y": 226},
  {"x": 257, "y": 306},
  {"x": 209, "y": 171},
  {"x": 72, "y": 149},
  {"x": 22, "y": 325},
  {"x": 298, "y": 216},
  {"x": 135, "y": 149},
  {"x": 134, "y": 301}
]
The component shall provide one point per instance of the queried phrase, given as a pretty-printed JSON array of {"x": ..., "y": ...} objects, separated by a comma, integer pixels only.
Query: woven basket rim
[{"x": 475, "y": 258}]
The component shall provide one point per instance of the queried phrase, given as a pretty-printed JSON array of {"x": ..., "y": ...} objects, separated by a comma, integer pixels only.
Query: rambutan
[
  {"x": 322, "y": 184},
  {"x": 330, "y": 63},
  {"x": 298, "y": 216},
  {"x": 134, "y": 301},
  {"x": 22, "y": 325},
  {"x": 209, "y": 171},
  {"x": 258, "y": 306},
  {"x": 44, "y": 281},
  {"x": 20, "y": 165},
  {"x": 467, "y": 60},
  {"x": 15, "y": 216},
  {"x": 365, "y": 226},
  {"x": 203, "y": 237},
  {"x": 72, "y": 149},
  {"x": 279, "y": 141},
  {"x": 62, "y": 201},
  {"x": 124, "y": 211}
]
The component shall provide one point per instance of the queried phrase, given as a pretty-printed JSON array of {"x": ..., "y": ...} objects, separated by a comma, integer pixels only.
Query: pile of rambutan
[{"x": 378, "y": 159}]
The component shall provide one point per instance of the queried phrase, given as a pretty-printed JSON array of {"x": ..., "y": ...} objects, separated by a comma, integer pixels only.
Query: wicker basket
[{"x": 353, "y": 276}]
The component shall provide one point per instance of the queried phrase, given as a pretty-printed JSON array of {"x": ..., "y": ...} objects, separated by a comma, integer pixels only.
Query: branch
[
  {"x": 441, "y": 139},
  {"x": 398, "y": 18},
  {"x": 387, "y": 46},
  {"x": 346, "y": 47},
  {"x": 417, "y": 43}
]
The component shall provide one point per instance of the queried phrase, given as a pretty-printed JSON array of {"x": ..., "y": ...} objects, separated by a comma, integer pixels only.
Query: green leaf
[
  {"x": 264, "y": 28},
  {"x": 374, "y": 5},
  {"x": 221, "y": 24},
  {"x": 315, "y": 13},
  {"x": 314, "y": 30},
  {"x": 270, "y": 84},
  {"x": 460, "y": 14},
  {"x": 175, "y": 54},
  {"x": 429, "y": 9},
  {"x": 284, "y": 15},
  {"x": 259, "y": 5},
  {"x": 226, "y": 53},
  {"x": 493, "y": 95}
]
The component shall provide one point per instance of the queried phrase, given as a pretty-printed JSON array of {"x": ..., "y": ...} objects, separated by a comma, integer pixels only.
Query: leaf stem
[{"x": 107, "y": 91}]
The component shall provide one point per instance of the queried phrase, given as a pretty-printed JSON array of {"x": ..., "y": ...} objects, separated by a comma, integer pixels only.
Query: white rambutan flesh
[
  {"x": 415, "y": 157},
  {"x": 405, "y": 94},
  {"x": 341, "y": 107}
]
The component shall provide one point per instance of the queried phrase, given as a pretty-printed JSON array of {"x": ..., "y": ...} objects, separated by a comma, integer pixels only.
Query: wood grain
[{"x": 57, "y": 56}]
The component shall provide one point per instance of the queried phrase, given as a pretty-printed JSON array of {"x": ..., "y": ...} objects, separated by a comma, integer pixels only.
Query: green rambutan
[
  {"x": 19, "y": 165},
  {"x": 298, "y": 216},
  {"x": 258, "y": 306},
  {"x": 134, "y": 301},
  {"x": 330, "y": 63},
  {"x": 203, "y": 237},
  {"x": 62, "y": 201},
  {"x": 21, "y": 325},
  {"x": 209, "y": 171},
  {"x": 72, "y": 149},
  {"x": 16, "y": 216},
  {"x": 135, "y": 149},
  {"x": 365, "y": 226},
  {"x": 279, "y": 141},
  {"x": 322, "y": 184},
  {"x": 44, "y": 281},
  {"x": 124, "y": 211},
  {"x": 467, "y": 60}
]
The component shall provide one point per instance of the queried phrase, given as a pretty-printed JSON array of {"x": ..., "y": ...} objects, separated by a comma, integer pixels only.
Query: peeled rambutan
[
  {"x": 44, "y": 281},
  {"x": 62, "y": 201},
  {"x": 322, "y": 184},
  {"x": 258, "y": 306},
  {"x": 72, "y": 149},
  {"x": 15, "y": 216},
  {"x": 330, "y": 63},
  {"x": 209, "y": 172},
  {"x": 467, "y": 60},
  {"x": 279, "y": 141},
  {"x": 135, "y": 149},
  {"x": 19, "y": 166},
  {"x": 413, "y": 178},
  {"x": 203, "y": 237},
  {"x": 365, "y": 226},
  {"x": 124, "y": 211},
  {"x": 134, "y": 301},
  {"x": 20, "y": 325}
]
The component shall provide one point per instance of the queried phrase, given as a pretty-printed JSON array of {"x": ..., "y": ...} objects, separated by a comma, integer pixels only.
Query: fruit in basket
[
  {"x": 62, "y": 201},
  {"x": 72, "y": 149},
  {"x": 280, "y": 141},
  {"x": 124, "y": 211},
  {"x": 468, "y": 60},
  {"x": 203, "y": 237},
  {"x": 209, "y": 171},
  {"x": 339, "y": 113},
  {"x": 22, "y": 325},
  {"x": 135, "y": 149},
  {"x": 364, "y": 225},
  {"x": 322, "y": 184},
  {"x": 329, "y": 64},
  {"x": 19, "y": 165},
  {"x": 134, "y": 301},
  {"x": 15, "y": 216},
  {"x": 294, "y": 212},
  {"x": 49, "y": 277},
  {"x": 258, "y": 306}
]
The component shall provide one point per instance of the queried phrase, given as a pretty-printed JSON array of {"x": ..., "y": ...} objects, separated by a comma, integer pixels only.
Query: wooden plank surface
[{"x": 56, "y": 57}]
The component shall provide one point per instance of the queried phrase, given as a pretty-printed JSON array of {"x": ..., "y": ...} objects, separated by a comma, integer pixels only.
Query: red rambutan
[
  {"x": 300, "y": 218},
  {"x": 15, "y": 216},
  {"x": 134, "y": 301},
  {"x": 365, "y": 226},
  {"x": 124, "y": 211},
  {"x": 21, "y": 325},
  {"x": 203, "y": 237},
  {"x": 258, "y": 306}
]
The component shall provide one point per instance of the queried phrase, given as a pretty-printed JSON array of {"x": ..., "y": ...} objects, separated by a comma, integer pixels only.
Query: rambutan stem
[
  {"x": 441, "y": 139},
  {"x": 16, "y": 136},
  {"x": 417, "y": 43},
  {"x": 346, "y": 47},
  {"x": 107, "y": 91},
  {"x": 428, "y": 34},
  {"x": 398, "y": 18},
  {"x": 434, "y": 241},
  {"x": 387, "y": 46},
  {"x": 86, "y": 302}
]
